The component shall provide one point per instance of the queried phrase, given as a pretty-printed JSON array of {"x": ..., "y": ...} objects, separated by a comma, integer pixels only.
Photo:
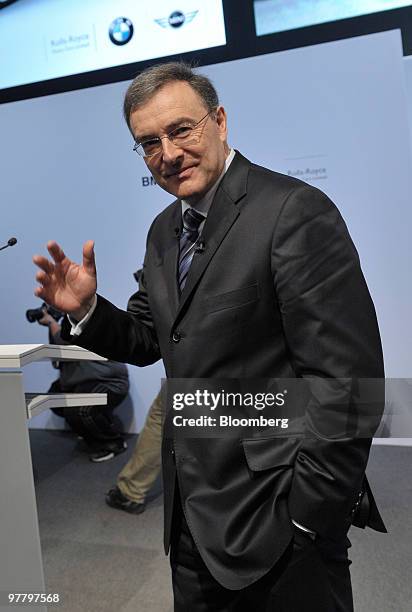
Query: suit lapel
[
  {"x": 171, "y": 256},
  {"x": 222, "y": 215}
]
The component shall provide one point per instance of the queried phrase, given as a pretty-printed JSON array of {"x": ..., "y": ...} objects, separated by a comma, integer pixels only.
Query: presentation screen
[
  {"x": 279, "y": 15},
  {"x": 48, "y": 39}
]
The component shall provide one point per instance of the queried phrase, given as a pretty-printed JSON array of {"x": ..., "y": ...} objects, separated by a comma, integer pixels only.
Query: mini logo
[
  {"x": 121, "y": 31},
  {"x": 176, "y": 19}
]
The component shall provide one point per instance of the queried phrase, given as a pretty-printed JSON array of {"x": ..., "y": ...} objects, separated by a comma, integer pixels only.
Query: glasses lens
[
  {"x": 181, "y": 136},
  {"x": 138, "y": 149},
  {"x": 185, "y": 135},
  {"x": 151, "y": 147}
]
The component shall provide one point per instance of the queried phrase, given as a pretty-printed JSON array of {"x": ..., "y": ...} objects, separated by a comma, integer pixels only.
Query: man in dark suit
[{"x": 248, "y": 274}]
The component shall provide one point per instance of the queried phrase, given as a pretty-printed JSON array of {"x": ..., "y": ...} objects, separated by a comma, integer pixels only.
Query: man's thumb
[{"x": 88, "y": 257}]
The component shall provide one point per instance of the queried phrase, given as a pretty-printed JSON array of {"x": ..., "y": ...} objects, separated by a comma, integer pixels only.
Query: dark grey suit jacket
[{"x": 277, "y": 292}]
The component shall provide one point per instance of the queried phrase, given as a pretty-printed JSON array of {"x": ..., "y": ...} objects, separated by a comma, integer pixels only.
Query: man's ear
[{"x": 221, "y": 121}]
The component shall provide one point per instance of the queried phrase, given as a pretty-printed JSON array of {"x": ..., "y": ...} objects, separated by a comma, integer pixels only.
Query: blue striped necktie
[{"x": 191, "y": 222}]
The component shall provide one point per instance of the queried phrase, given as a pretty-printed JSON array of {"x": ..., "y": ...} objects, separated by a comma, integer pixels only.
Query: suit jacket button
[{"x": 176, "y": 336}]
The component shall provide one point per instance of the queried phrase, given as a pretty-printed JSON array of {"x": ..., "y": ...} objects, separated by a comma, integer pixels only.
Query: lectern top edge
[{"x": 19, "y": 355}]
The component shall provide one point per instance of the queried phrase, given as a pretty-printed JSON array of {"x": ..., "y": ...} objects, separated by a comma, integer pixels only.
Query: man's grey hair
[{"x": 148, "y": 82}]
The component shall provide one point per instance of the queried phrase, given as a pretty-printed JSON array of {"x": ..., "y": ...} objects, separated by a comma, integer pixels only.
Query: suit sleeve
[
  {"x": 333, "y": 340},
  {"x": 125, "y": 336}
]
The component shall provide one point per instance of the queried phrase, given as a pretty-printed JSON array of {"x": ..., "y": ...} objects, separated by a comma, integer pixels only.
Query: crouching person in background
[{"x": 95, "y": 424}]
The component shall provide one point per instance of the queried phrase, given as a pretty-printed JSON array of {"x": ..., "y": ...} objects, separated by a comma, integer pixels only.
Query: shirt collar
[{"x": 205, "y": 203}]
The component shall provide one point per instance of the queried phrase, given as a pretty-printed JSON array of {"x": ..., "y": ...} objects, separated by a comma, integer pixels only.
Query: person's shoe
[
  {"x": 106, "y": 454},
  {"x": 116, "y": 499}
]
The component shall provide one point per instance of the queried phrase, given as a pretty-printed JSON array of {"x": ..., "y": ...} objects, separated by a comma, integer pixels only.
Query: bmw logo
[
  {"x": 121, "y": 31},
  {"x": 176, "y": 19}
]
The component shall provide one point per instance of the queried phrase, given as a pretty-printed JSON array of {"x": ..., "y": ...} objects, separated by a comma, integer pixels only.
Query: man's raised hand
[{"x": 63, "y": 283}]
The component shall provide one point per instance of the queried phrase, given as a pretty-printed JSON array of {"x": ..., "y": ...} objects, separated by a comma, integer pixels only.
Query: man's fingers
[
  {"x": 43, "y": 263},
  {"x": 55, "y": 251},
  {"x": 88, "y": 257},
  {"x": 40, "y": 292},
  {"x": 42, "y": 278}
]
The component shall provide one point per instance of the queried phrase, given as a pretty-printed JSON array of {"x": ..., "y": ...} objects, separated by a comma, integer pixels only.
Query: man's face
[{"x": 186, "y": 172}]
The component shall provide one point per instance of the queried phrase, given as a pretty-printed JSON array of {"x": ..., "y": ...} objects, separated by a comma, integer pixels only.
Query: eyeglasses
[{"x": 181, "y": 136}]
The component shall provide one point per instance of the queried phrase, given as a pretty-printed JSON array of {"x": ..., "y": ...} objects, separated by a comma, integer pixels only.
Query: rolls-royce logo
[
  {"x": 176, "y": 19},
  {"x": 121, "y": 31}
]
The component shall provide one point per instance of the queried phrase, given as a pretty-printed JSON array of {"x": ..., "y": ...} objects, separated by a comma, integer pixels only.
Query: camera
[
  {"x": 137, "y": 275},
  {"x": 35, "y": 314}
]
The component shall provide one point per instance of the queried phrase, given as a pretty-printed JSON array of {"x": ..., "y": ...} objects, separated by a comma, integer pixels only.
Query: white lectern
[{"x": 21, "y": 567}]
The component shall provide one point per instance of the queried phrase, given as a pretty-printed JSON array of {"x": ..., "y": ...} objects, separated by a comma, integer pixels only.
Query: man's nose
[{"x": 170, "y": 152}]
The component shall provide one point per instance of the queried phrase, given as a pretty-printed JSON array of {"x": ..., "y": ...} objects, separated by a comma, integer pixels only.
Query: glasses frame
[{"x": 138, "y": 146}]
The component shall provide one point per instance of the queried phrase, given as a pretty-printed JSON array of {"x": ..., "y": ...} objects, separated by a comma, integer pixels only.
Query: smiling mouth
[{"x": 182, "y": 173}]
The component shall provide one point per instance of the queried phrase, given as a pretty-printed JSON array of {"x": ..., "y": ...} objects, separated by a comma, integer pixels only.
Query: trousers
[
  {"x": 311, "y": 576},
  {"x": 143, "y": 467},
  {"x": 94, "y": 423}
]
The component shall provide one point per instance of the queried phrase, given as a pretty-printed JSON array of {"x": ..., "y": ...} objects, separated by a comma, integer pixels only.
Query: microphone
[
  {"x": 200, "y": 247},
  {"x": 177, "y": 232},
  {"x": 10, "y": 242}
]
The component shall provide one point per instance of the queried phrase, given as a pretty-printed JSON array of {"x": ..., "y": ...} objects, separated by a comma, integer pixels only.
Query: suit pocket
[
  {"x": 233, "y": 299},
  {"x": 270, "y": 453}
]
